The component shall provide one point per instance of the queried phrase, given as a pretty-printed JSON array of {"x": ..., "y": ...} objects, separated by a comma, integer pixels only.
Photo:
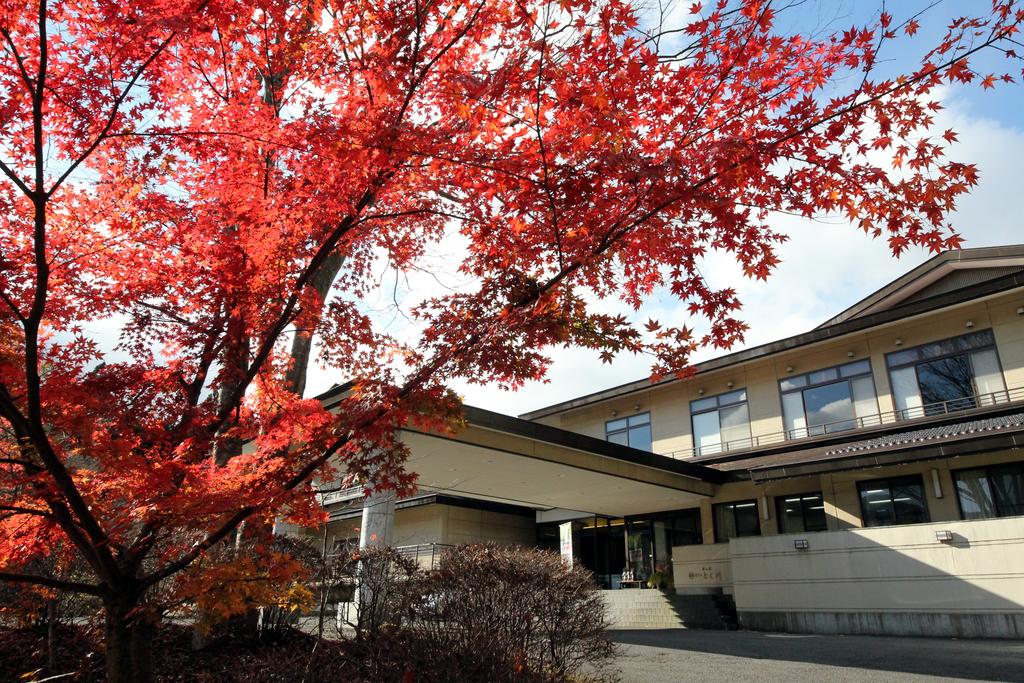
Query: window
[
  {"x": 720, "y": 423},
  {"x": 830, "y": 400},
  {"x": 953, "y": 374},
  {"x": 633, "y": 431},
  {"x": 898, "y": 500},
  {"x": 801, "y": 512},
  {"x": 996, "y": 491},
  {"x": 733, "y": 520}
]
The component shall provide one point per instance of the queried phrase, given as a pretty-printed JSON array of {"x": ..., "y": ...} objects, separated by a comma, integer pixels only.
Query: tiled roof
[
  {"x": 884, "y": 448},
  {"x": 916, "y": 436}
]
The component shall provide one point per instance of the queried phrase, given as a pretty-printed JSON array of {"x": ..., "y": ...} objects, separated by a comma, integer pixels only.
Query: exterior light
[
  {"x": 729, "y": 384},
  {"x": 944, "y": 536},
  {"x": 636, "y": 406},
  {"x": 615, "y": 413},
  {"x": 1020, "y": 310},
  {"x": 700, "y": 392},
  {"x": 801, "y": 544},
  {"x": 850, "y": 354},
  {"x": 789, "y": 368},
  {"x": 898, "y": 342},
  {"x": 969, "y": 324},
  {"x": 936, "y": 483}
]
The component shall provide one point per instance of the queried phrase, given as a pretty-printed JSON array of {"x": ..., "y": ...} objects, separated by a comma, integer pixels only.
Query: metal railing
[
  {"x": 342, "y": 495},
  {"x": 905, "y": 415},
  {"x": 426, "y": 555}
]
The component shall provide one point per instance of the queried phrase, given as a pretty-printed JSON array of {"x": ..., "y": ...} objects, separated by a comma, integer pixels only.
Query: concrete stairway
[
  {"x": 641, "y": 609},
  {"x": 653, "y": 609}
]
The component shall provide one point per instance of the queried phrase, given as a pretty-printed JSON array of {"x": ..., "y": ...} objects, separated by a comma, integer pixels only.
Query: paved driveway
[{"x": 735, "y": 656}]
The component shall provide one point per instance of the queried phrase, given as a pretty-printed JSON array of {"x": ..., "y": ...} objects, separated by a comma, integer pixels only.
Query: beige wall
[
  {"x": 896, "y": 579},
  {"x": 889, "y": 580},
  {"x": 982, "y": 569},
  {"x": 841, "y": 496},
  {"x": 702, "y": 568},
  {"x": 669, "y": 404},
  {"x": 413, "y": 526},
  {"x": 466, "y": 525},
  {"x": 447, "y": 524}
]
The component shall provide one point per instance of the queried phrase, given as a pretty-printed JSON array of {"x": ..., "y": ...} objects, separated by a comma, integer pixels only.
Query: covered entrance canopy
[{"x": 504, "y": 459}]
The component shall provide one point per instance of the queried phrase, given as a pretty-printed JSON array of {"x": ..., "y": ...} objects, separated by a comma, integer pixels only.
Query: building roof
[
  {"x": 917, "y": 436},
  {"x": 951, "y": 438},
  {"x": 949, "y": 271},
  {"x": 499, "y": 422},
  {"x": 924, "y": 289}
]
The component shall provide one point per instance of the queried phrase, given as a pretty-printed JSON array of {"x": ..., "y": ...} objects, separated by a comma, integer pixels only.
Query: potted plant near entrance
[{"x": 660, "y": 578}]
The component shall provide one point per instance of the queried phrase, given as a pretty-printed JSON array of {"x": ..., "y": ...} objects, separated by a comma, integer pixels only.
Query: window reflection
[
  {"x": 830, "y": 400},
  {"x": 897, "y": 500},
  {"x": 633, "y": 431},
  {"x": 948, "y": 375},
  {"x": 986, "y": 492}
]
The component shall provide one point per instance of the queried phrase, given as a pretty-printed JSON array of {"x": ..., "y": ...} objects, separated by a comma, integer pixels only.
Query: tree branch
[{"x": 49, "y": 582}]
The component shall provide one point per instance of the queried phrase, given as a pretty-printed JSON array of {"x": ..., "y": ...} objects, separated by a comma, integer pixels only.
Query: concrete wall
[
  {"x": 466, "y": 525},
  {"x": 891, "y": 580},
  {"x": 670, "y": 404},
  {"x": 447, "y": 524},
  {"x": 700, "y": 569},
  {"x": 413, "y": 526}
]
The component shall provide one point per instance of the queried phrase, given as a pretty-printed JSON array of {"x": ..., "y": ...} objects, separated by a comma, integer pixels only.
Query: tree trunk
[
  {"x": 302, "y": 344},
  {"x": 129, "y": 641}
]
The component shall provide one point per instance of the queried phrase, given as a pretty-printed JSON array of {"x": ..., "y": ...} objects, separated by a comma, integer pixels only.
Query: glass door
[
  {"x": 649, "y": 544},
  {"x": 640, "y": 549}
]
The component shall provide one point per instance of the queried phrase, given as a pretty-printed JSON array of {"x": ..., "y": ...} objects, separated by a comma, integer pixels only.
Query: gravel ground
[{"x": 736, "y": 656}]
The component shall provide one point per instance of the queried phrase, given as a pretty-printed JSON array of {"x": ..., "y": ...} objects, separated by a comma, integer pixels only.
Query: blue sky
[{"x": 827, "y": 267}]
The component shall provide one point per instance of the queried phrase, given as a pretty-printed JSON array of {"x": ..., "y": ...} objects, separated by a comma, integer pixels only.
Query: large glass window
[
  {"x": 801, "y": 512},
  {"x": 733, "y": 520},
  {"x": 996, "y": 491},
  {"x": 897, "y": 500},
  {"x": 633, "y": 431},
  {"x": 720, "y": 423},
  {"x": 952, "y": 374},
  {"x": 829, "y": 400}
]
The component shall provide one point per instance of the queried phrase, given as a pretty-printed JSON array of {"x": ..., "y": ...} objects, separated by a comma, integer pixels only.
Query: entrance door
[
  {"x": 640, "y": 548},
  {"x": 649, "y": 543},
  {"x": 598, "y": 543}
]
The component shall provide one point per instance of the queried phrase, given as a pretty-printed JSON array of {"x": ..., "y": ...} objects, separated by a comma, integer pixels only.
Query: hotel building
[{"x": 865, "y": 476}]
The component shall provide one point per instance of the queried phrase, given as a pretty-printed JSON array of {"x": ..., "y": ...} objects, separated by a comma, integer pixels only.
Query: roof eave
[{"x": 977, "y": 291}]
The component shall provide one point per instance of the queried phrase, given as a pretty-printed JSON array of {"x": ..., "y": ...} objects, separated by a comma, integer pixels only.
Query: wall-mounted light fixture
[
  {"x": 936, "y": 483},
  {"x": 898, "y": 342},
  {"x": 636, "y": 406},
  {"x": 766, "y": 509},
  {"x": 700, "y": 392},
  {"x": 1020, "y": 310},
  {"x": 944, "y": 536},
  {"x": 730, "y": 385},
  {"x": 850, "y": 354},
  {"x": 615, "y": 413},
  {"x": 969, "y": 324},
  {"x": 789, "y": 368},
  {"x": 801, "y": 544}
]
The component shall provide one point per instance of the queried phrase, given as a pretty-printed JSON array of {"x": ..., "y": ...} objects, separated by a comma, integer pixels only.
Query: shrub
[{"x": 487, "y": 613}]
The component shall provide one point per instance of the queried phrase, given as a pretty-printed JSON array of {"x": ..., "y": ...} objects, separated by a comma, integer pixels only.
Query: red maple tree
[{"x": 223, "y": 177}]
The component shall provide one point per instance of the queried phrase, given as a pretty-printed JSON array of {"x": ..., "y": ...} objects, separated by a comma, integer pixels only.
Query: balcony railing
[
  {"x": 342, "y": 495},
  {"x": 910, "y": 415},
  {"x": 426, "y": 555}
]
